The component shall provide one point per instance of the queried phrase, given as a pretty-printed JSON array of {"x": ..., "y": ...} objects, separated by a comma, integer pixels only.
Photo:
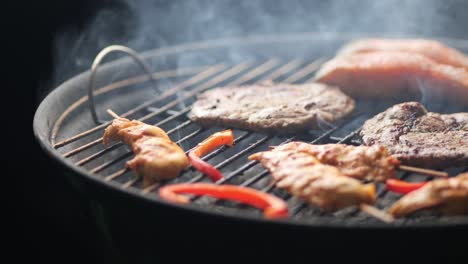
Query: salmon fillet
[
  {"x": 432, "y": 49},
  {"x": 395, "y": 74}
]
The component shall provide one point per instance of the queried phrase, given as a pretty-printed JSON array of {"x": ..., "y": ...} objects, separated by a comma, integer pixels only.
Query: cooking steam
[{"x": 145, "y": 25}]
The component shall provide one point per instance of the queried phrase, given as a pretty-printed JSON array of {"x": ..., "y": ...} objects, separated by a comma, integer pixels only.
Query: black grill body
[{"x": 130, "y": 209}]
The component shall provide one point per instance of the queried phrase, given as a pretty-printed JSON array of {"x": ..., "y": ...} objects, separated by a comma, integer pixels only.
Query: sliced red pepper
[
  {"x": 225, "y": 137},
  {"x": 273, "y": 207},
  {"x": 404, "y": 187}
]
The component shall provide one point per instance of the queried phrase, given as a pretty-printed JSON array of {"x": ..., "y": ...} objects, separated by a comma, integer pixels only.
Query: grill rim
[{"x": 318, "y": 222}]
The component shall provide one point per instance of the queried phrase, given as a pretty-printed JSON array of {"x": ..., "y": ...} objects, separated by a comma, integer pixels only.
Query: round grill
[{"x": 65, "y": 128}]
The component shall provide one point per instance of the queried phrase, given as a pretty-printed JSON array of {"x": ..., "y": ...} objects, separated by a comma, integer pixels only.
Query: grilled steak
[
  {"x": 303, "y": 175},
  {"x": 395, "y": 74},
  {"x": 430, "y": 48},
  {"x": 447, "y": 196},
  {"x": 418, "y": 137},
  {"x": 272, "y": 108}
]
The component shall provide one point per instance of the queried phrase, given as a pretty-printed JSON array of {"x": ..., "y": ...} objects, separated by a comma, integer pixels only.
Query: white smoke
[{"x": 144, "y": 25}]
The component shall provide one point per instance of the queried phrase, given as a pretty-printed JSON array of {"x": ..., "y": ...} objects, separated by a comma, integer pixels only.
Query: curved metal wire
[{"x": 133, "y": 54}]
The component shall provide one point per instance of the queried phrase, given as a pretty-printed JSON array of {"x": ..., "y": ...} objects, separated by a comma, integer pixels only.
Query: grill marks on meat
[
  {"x": 304, "y": 176},
  {"x": 272, "y": 108},
  {"x": 360, "y": 162},
  {"x": 156, "y": 156},
  {"x": 432, "y": 49},
  {"x": 447, "y": 196},
  {"x": 418, "y": 137},
  {"x": 395, "y": 74}
]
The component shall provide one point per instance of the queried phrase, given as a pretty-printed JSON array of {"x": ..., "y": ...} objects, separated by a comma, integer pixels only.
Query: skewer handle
[
  {"x": 428, "y": 172},
  {"x": 377, "y": 213},
  {"x": 112, "y": 113}
]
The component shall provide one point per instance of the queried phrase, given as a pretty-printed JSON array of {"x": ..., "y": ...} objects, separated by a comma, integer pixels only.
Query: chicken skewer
[
  {"x": 156, "y": 156},
  {"x": 448, "y": 196},
  {"x": 325, "y": 186},
  {"x": 305, "y": 163},
  {"x": 370, "y": 163}
]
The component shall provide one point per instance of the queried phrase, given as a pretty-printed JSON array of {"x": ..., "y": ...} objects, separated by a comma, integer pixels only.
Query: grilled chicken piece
[
  {"x": 396, "y": 75},
  {"x": 361, "y": 162},
  {"x": 156, "y": 156},
  {"x": 304, "y": 176},
  {"x": 432, "y": 49},
  {"x": 418, "y": 137},
  {"x": 447, "y": 196},
  {"x": 277, "y": 108}
]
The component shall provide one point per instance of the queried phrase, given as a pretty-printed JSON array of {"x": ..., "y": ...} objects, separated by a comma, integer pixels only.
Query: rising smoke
[{"x": 144, "y": 25}]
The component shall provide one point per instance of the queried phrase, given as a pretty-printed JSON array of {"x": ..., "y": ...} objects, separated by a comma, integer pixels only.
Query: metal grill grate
[{"x": 169, "y": 110}]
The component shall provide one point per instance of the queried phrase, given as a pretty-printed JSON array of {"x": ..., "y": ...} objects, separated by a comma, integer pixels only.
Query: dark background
[{"x": 46, "y": 218}]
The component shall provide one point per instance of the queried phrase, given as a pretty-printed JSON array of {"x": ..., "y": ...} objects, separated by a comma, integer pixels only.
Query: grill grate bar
[
  {"x": 187, "y": 83},
  {"x": 269, "y": 188},
  {"x": 98, "y": 154},
  {"x": 255, "y": 178},
  {"x": 116, "y": 174},
  {"x": 247, "y": 165},
  {"x": 305, "y": 71},
  {"x": 82, "y": 147},
  {"x": 283, "y": 70},
  {"x": 109, "y": 163},
  {"x": 256, "y": 72},
  {"x": 130, "y": 182},
  {"x": 179, "y": 127}
]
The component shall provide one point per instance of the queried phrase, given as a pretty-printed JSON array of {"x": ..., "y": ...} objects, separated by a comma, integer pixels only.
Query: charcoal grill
[{"x": 70, "y": 132}]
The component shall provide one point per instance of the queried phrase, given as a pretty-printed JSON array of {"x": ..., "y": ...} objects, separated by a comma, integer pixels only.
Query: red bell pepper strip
[
  {"x": 404, "y": 187},
  {"x": 225, "y": 137},
  {"x": 273, "y": 207}
]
